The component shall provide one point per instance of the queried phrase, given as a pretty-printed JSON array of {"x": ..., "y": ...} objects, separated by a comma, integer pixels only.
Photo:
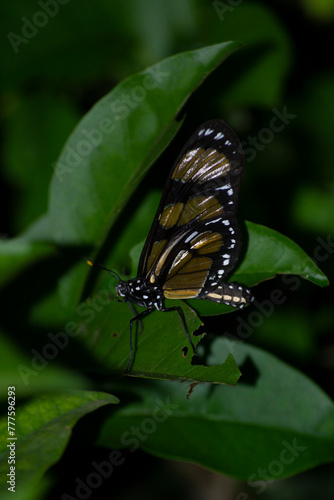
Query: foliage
[{"x": 64, "y": 337}]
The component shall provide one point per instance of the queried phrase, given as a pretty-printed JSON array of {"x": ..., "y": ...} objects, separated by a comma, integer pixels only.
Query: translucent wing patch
[{"x": 197, "y": 255}]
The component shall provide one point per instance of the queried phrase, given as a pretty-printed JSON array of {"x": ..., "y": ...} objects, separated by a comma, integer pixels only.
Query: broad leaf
[
  {"x": 43, "y": 428},
  {"x": 260, "y": 425},
  {"x": 268, "y": 254},
  {"x": 162, "y": 350}
]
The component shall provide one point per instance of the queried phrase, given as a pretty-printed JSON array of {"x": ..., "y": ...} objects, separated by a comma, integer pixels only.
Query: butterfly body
[
  {"x": 140, "y": 293},
  {"x": 195, "y": 240}
]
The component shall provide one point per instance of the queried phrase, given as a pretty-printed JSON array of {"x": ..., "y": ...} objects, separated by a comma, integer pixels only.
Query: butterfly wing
[{"x": 195, "y": 239}]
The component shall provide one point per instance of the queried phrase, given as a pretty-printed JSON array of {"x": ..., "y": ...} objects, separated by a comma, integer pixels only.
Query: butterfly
[{"x": 194, "y": 241}]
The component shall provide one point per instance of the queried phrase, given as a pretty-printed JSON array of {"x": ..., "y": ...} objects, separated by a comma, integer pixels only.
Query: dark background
[{"x": 62, "y": 68}]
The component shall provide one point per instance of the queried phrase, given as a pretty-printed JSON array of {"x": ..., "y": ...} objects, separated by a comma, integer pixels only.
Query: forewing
[{"x": 202, "y": 190}]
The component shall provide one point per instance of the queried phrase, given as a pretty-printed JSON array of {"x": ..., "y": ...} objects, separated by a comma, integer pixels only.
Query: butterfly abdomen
[{"x": 232, "y": 294}]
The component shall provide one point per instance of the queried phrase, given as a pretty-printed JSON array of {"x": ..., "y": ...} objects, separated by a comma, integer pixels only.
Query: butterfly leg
[
  {"x": 133, "y": 310},
  {"x": 136, "y": 318},
  {"x": 180, "y": 312}
]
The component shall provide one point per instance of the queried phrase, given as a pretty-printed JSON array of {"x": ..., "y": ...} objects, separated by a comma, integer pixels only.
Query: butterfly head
[{"x": 122, "y": 291}]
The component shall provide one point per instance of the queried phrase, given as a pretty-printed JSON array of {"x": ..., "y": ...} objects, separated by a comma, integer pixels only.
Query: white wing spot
[
  {"x": 195, "y": 233},
  {"x": 208, "y": 131},
  {"x": 226, "y": 222},
  {"x": 220, "y": 135},
  {"x": 213, "y": 221},
  {"x": 226, "y": 262},
  {"x": 228, "y": 143},
  {"x": 225, "y": 186},
  {"x": 230, "y": 192},
  {"x": 201, "y": 131}
]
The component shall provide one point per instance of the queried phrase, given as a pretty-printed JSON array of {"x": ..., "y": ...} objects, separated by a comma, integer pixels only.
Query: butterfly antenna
[{"x": 92, "y": 263}]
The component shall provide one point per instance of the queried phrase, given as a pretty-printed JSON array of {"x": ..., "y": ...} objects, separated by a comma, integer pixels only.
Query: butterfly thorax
[{"x": 140, "y": 293}]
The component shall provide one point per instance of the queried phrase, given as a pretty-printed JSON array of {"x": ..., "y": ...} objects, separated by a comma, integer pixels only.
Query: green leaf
[
  {"x": 43, "y": 428},
  {"x": 159, "y": 350},
  {"x": 270, "y": 253},
  {"x": 25, "y": 371},
  {"x": 118, "y": 139},
  {"x": 238, "y": 431},
  {"x": 38, "y": 491},
  {"x": 18, "y": 253}
]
